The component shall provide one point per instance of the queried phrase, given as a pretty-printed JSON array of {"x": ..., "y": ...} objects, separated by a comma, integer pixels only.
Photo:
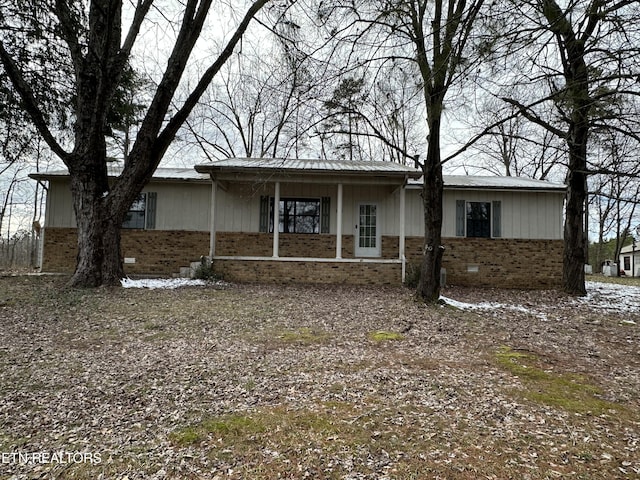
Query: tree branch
[
  {"x": 30, "y": 103},
  {"x": 524, "y": 110},
  {"x": 169, "y": 132}
]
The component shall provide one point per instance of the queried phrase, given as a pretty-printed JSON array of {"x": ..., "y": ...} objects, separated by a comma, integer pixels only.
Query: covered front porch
[{"x": 337, "y": 222}]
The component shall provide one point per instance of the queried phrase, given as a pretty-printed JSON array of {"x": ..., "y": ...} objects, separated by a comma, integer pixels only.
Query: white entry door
[{"x": 368, "y": 231}]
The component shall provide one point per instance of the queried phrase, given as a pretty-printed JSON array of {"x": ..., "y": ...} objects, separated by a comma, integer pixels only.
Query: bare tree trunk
[
  {"x": 573, "y": 276},
  {"x": 432, "y": 189},
  {"x": 99, "y": 52},
  {"x": 576, "y": 75},
  {"x": 432, "y": 192},
  {"x": 98, "y": 261}
]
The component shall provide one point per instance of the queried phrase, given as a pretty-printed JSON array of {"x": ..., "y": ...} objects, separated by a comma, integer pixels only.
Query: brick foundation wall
[
  {"x": 157, "y": 252},
  {"x": 59, "y": 249},
  {"x": 502, "y": 263},
  {"x": 241, "y": 244},
  {"x": 307, "y": 272}
]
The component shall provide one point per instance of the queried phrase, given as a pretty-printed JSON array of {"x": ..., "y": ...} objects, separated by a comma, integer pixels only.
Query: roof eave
[
  {"x": 59, "y": 176},
  {"x": 214, "y": 170},
  {"x": 549, "y": 189},
  {"x": 507, "y": 189}
]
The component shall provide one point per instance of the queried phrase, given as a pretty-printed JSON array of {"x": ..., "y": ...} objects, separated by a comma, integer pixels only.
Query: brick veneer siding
[
  {"x": 157, "y": 252},
  {"x": 241, "y": 244},
  {"x": 298, "y": 245},
  {"x": 502, "y": 263},
  {"x": 273, "y": 271},
  {"x": 59, "y": 249}
]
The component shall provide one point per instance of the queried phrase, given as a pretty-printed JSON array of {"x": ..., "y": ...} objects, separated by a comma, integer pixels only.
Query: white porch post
[
  {"x": 212, "y": 228},
  {"x": 339, "y": 223},
  {"x": 402, "y": 224},
  {"x": 276, "y": 220},
  {"x": 401, "y": 232}
]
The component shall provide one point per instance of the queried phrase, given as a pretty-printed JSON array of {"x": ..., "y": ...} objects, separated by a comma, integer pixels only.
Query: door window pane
[{"x": 368, "y": 232}]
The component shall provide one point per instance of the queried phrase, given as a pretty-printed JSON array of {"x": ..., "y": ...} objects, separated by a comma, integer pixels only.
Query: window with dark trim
[
  {"x": 142, "y": 213},
  {"x": 627, "y": 263},
  {"x": 297, "y": 215},
  {"x": 136, "y": 215},
  {"x": 478, "y": 219}
]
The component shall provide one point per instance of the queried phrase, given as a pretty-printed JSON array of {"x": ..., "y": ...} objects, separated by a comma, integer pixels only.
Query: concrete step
[{"x": 190, "y": 271}]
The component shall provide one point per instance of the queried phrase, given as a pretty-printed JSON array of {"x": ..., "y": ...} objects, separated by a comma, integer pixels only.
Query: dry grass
[
  {"x": 634, "y": 281},
  {"x": 267, "y": 382}
]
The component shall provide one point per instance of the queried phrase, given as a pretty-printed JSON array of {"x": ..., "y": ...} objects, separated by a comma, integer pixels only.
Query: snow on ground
[
  {"x": 490, "y": 306},
  {"x": 611, "y": 297},
  {"x": 166, "y": 283}
]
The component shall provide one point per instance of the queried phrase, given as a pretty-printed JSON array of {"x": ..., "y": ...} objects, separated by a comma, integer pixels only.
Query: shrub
[
  {"x": 412, "y": 275},
  {"x": 204, "y": 271}
]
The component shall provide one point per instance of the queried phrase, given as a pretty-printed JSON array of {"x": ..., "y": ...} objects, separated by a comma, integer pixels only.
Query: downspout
[{"x": 404, "y": 268}]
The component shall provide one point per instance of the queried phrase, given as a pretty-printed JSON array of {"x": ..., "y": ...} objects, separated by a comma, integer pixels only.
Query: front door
[{"x": 368, "y": 231}]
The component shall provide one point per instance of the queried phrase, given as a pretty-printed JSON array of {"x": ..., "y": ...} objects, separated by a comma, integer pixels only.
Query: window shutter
[
  {"x": 325, "y": 210},
  {"x": 460, "y": 217},
  {"x": 152, "y": 200},
  {"x": 264, "y": 213},
  {"x": 497, "y": 219}
]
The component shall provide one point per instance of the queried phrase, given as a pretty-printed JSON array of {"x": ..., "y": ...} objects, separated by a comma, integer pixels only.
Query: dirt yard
[{"x": 306, "y": 382}]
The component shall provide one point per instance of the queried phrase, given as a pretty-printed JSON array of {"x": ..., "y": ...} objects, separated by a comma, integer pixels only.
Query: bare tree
[
  {"x": 264, "y": 103},
  {"x": 92, "y": 48},
  {"x": 509, "y": 144},
  {"x": 614, "y": 198},
  {"x": 374, "y": 113},
  {"x": 434, "y": 40},
  {"x": 583, "y": 60}
]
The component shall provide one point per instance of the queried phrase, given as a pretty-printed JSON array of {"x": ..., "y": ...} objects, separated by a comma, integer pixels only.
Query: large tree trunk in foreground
[
  {"x": 576, "y": 96},
  {"x": 429, "y": 285},
  {"x": 99, "y": 261},
  {"x": 432, "y": 190},
  {"x": 575, "y": 244},
  {"x": 92, "y": 36}
]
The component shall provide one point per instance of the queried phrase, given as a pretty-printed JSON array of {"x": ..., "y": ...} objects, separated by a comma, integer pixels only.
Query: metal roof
[
  {"x": 478, "y": 182},
  {"x": 300, "y": 166},
  {"x": 500, "y": 182},
  {"x": 345, "y": 167},
  {"x": 167, "y": 174}
]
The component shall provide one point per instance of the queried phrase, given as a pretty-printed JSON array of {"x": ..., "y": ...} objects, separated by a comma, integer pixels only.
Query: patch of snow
[
  {"x": 490, "y": 306},
  {"x": 457, "y": 304},
  {"x": 612, "y": 297},
  {"x": 161, "y": 283}
]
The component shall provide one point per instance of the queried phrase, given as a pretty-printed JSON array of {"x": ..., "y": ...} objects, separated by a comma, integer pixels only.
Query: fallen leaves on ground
[{"x": 266, "y": 382}]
